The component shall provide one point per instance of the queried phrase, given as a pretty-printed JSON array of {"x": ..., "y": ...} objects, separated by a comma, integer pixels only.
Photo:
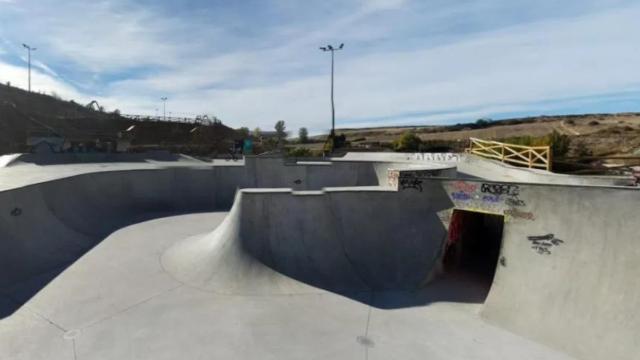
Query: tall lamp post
[
  {"x": 333, "y": 108},
  {"x": 164, "y": 108},
  {"x": 29, "y": 50}
]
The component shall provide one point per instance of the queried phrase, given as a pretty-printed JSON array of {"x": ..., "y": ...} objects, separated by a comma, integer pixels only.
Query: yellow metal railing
[{"x": 531, "y": 156}]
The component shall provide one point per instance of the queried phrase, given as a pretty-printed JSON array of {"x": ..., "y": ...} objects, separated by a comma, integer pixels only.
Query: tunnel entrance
[{"x": 473, "y": 245}]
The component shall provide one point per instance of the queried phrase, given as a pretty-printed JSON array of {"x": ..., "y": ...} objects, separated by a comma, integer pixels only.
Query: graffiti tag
[
  {"x": 500, "y": 189},
  {"x": 411, "y": 183},
  {"x": 464, "y": 186},
  {"x": 462, "y": 196},
  {"x": 514, "y": 201},
  {"x": 515, "y": 213},
  {"x": 542, "y": 244},
  {"x": 435, "y": 157},
  {"x": 491, "y": 198}
]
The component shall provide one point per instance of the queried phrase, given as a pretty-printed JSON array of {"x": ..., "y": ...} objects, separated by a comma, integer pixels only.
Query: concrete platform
[{"x": 116, "y": 302}]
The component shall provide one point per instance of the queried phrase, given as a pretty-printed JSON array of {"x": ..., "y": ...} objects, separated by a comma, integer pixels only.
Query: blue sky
[{"x": 405, "y": 62}]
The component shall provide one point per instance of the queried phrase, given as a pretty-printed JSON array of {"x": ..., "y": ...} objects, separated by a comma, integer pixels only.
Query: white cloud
[
  {"x": 40, "y": 82},
  {"x": 387, "y": 70}
]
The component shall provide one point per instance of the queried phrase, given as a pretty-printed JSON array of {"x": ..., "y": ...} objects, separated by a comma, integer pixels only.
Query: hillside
[
  {"x": 601, "y": 134},
  {"x": 27, "y": 116}
]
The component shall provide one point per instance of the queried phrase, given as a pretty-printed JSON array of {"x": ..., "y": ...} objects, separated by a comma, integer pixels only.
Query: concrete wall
[
  {"x": 569, "y": 263},
  {"x": 340, "y": 240},
  {"x": 47, "y": 225}
]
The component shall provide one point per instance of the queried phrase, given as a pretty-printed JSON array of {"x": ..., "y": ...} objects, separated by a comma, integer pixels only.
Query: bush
[
  {"x": 407, "y": 142},
  {"x": 594, "y": 123},
  {"x": 299, "y": 152},
  {"x": 559, "y": 143}
]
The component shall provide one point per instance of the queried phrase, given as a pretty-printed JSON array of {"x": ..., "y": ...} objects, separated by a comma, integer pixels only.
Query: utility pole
[
  {"x": 29, "y": 50},
  {"x": 333, "y": 108},
  {"x": 164, "y": 107}
]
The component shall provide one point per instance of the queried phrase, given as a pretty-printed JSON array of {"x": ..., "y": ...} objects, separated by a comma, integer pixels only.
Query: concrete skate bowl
[
  {"x": 45, "y": 227},
  {"x": 563, "y": 278}
]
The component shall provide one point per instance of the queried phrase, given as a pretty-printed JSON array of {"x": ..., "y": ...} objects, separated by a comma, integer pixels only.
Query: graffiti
[
  {"x": 464, "y": 186},
  {"x": 462, "y": 196},
  {"x": 515, "y": 213},
  {"x": 392, "y": 178},
  {"x": 16, "y": 212},
  {"x": 500, "y": 189},
  {"x": 542, "y": 244},
  {"x": 297, "y": 181},
  {"x": 514, "y": 201},
  {"x": 445, "y": 157},
  {"x": 491, "y": 198},
  {"x": 503, "y": 261},
  {"x": 411, "y": 183}
]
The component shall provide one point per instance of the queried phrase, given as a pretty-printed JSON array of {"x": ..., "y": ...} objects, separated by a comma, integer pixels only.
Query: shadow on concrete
[
  {"x": 459, "y": 287},
  {"x": 14, "y": 296}
]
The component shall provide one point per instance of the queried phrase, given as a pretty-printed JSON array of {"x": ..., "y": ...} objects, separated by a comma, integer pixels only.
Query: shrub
[
  {"x": 407, "y": 142},
  {"x": 594, "y": 123},
  {"x": 559, "y": 143},
  {"x": 299, "y": 152}
]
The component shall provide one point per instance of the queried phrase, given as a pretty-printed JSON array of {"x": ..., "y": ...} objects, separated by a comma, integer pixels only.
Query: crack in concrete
[{"x": 130, "y": 307}]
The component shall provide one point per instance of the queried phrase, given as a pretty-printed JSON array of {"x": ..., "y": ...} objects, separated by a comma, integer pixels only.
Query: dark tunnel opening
[{"x": 473, "y": 246}]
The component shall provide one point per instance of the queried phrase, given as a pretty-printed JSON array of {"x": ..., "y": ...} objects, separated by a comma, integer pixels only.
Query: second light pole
[
  {"x": 333, "y": 108},
  {"x": 164, "y": 108},
  {"x": 29, "y": 50}
]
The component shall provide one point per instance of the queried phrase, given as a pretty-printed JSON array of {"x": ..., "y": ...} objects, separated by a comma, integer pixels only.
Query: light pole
[
  {"x": 164, "y": 107},
  {"x": 29, "y": 50},
  {"x": 333, "y": 108}
]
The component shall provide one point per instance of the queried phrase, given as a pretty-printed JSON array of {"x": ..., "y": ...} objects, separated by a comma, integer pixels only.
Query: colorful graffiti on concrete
[{"x": 496, "y": 198}]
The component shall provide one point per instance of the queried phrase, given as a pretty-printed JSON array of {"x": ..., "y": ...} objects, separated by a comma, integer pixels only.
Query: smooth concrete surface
[{"x": 268, "y": 259}]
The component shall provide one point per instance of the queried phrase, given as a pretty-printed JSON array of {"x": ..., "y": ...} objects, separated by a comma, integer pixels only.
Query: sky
[{"x": 405, "y": 62}]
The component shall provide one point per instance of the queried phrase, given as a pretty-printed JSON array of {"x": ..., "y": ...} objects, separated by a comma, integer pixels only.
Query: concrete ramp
[{"x": 338, "y": 240}]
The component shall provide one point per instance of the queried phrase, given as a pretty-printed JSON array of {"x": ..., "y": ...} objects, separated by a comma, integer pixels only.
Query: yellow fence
[{"x": 531, "y": 156}]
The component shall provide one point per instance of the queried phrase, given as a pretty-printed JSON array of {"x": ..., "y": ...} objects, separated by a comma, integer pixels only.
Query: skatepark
[{"x": 370, "y": 255}]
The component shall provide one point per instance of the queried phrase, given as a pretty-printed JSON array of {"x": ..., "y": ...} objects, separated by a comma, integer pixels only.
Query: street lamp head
[
  {"x": 330, "y": 47},
  {"x": 323, "y": 48},
  {"x": 25, "y": 45},
  {"x": 341, "y": 46}
]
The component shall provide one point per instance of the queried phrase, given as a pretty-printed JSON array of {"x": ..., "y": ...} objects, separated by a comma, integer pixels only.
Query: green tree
[
  {"x": 281, "y": 131},
  {"x": 244, "y": 131},
  {"x": 257, "y": 133},
  {"x": 303, "y": 135},
  {"x": 407, "y": 142}
]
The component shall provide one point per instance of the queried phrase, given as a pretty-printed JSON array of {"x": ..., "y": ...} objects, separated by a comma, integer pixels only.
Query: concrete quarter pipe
[{"x": 438, "y": 256}]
